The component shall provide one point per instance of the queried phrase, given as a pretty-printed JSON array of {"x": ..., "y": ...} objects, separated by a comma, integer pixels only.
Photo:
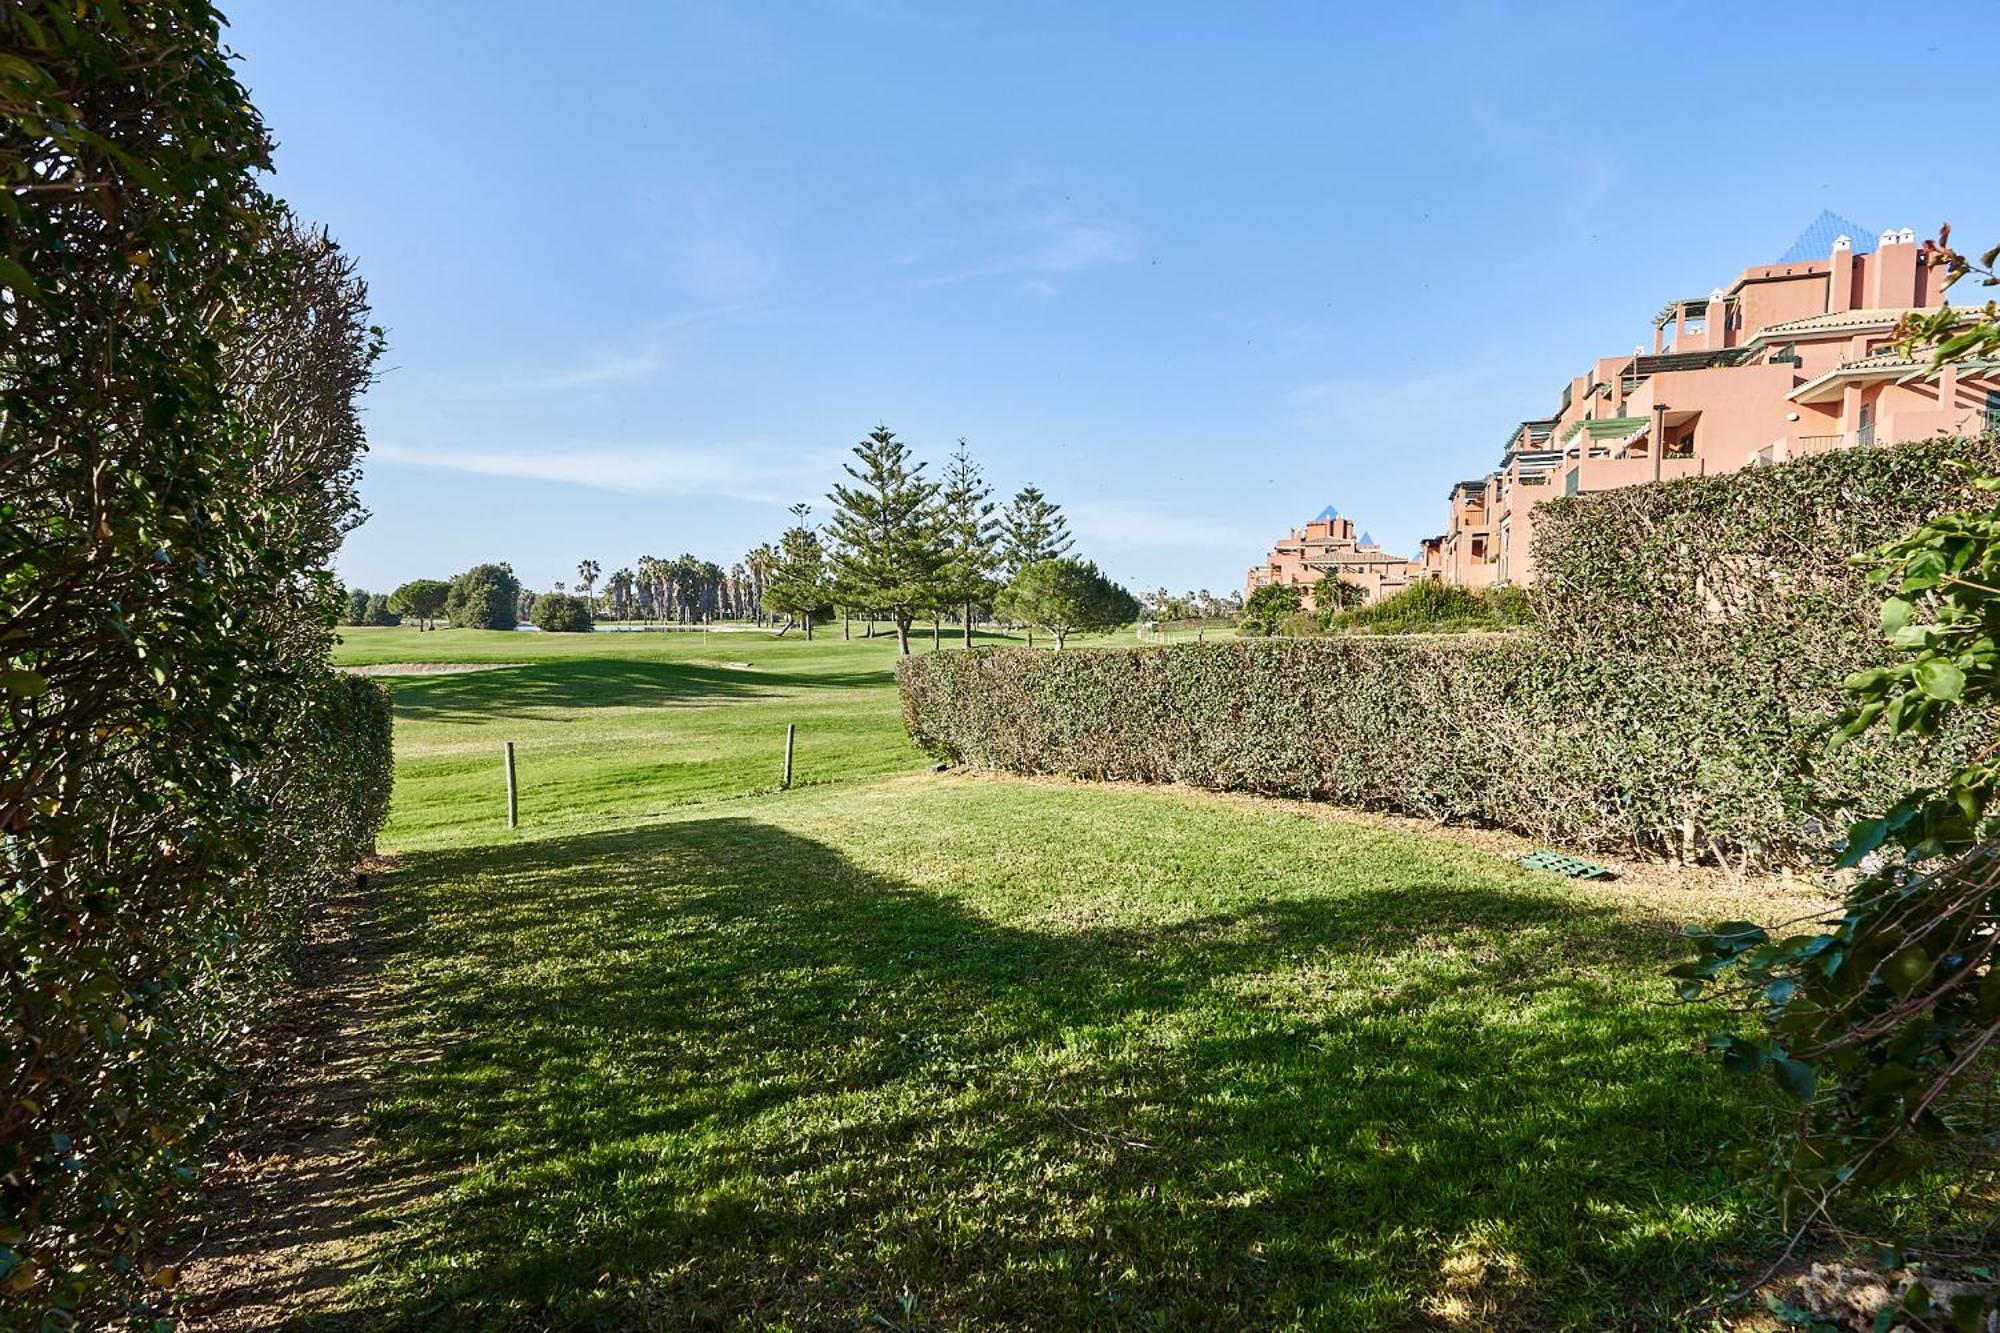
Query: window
[
  {"x": 1993, "y": 412},
  {"x": 1867, "y": 434},
  {"x": 1572, "y": 480}
]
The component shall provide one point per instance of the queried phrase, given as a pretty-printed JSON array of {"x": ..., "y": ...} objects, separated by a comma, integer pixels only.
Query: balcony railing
[{"x": 1821, "y": 441}]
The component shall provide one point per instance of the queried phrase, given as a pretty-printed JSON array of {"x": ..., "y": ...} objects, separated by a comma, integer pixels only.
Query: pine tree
[
  {"x": 1032, "y": 530},
  {"x": 971, "y": 536},
  {"x": 796, "y": 586},
  {"x": 889, "y": 554},
  {"x": 1066, "y": 596}
]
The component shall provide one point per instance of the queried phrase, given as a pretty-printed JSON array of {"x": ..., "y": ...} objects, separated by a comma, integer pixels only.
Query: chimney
[{"x": 1840, "y": 285}]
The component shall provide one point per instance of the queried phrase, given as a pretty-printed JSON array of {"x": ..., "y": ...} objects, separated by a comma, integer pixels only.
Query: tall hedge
[
  {"x": 1670, "y": 698},
  {"x": 180, "y": 770}
]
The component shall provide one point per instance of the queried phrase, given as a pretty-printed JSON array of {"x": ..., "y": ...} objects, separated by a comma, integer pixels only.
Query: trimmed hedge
[
  {"x": 181, "y": 772},
  {"x": 1671, "y": 699}
]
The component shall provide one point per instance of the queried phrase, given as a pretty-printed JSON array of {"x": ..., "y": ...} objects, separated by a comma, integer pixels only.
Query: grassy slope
[{"x": 953, "y": 1051}]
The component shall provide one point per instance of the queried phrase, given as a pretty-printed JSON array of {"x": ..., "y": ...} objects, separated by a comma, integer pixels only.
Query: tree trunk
[
  {"x": 968, "y": 624},
  {"x": 844, "y": 635},
  {"x": 903, "y": 633},
  {"x": 783, "y": 629},
  {"x": 809, "y": 627},
  {"x": 1060, "y": 636},
  {"x": 935, "y": 632}
]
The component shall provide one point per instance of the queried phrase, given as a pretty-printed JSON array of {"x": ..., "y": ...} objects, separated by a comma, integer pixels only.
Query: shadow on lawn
[
  {"x": 542, "y": 691},
  {"x": 714, "y": 1072}
]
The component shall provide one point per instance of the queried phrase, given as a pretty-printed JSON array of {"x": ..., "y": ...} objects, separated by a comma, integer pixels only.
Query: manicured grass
[
  {"x": 614, "y": 725},
  {"x": 918, "y": 1051}
]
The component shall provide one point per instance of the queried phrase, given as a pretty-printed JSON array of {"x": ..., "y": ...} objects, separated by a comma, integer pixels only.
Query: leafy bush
[
  {"x": 1433, "y": 607},
  {"x": 1301, "y": 625},
  {"x": 180, "y": 770},
  {"x": 1250, "y": 627},
  {"x": 484, "y": 597},
  {"x": 560, "y": 613},
  {"x": 1882, "y": 1019},
  {"x": 378, "y": 612},
  {"x": 1673, "y": 698}
]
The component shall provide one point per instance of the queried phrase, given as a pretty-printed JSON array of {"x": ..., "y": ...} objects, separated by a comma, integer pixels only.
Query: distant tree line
[{"x": 898, "y": 548}]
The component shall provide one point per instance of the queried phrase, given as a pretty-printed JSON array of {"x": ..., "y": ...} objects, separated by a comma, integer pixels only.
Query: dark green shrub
[
  {"x": 1270, "y": 604},
  {"x": 180, "y": 770},
  {"x": 1250, "y": 627},
  {"x": 484, "y": 597},
  {"x": 1673, "y": 697},
  {"x": 355, "y": 608},
  {"x": 378, "y": 612},
  {"x": 560, "y": 613}
]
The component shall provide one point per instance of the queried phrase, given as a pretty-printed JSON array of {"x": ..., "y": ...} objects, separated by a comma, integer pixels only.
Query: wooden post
[
  {"x": 791, "y": 730},
  {"x": 513, "y": 804}
]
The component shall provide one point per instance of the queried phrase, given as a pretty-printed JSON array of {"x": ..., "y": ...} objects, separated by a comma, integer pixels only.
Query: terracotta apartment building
[
  {"x": 1792, "y": 358},
  {"x": 1330, "y": 546}
]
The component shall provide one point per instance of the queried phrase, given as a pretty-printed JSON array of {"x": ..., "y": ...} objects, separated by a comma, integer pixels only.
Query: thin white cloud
[
  {"x": 1045, "y": 246},
  {"x": 643, "y": 356},
  {"x": 610, "y": 369},
  {"x": 760, "y": 473}
]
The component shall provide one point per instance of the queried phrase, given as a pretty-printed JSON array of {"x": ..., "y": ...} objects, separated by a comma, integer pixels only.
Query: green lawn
[{"x": 909, "y": 1050}]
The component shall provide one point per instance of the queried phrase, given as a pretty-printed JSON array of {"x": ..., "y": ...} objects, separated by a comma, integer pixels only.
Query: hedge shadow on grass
[
  {"x": 544, "y": 691},
  {"x": 717, "y": 1071}
]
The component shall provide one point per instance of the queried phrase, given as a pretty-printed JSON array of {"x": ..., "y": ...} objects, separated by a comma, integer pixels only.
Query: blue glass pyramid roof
[
  {"x": 1816, "y": 241},
  {"x": 1367, "y": 540},
  {"x": 1327, "y": 513}
]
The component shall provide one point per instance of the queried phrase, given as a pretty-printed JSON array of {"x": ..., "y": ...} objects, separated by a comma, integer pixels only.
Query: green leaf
[
  {"x": 1794, "y": 1076},
  {"x": 23, "y": 683},
  {"x": 1895, "y": 615},
  {"x": 1905, "y": 971},
  {"x": 1940, "y": 679}
]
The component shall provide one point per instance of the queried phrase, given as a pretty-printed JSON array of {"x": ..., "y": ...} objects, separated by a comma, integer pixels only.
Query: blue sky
[{"x": 648, "y": 269}]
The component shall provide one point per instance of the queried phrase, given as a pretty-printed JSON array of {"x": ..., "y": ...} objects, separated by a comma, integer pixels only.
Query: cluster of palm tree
[
  {"x": 1162, "y": 605},
  {"x": 686, "y": 590}
]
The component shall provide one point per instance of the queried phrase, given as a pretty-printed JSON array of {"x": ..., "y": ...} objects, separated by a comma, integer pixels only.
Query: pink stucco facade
[
  {"x": 1790, "y": 359},
  {"x": 1329, "y": 546}
]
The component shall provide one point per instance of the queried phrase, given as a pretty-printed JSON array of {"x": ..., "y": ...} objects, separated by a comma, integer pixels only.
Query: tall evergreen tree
[
  {"x": 889, "y": 554},
  {"x": 1032, "y": 529},
  {"x": 971, "y": 536},
  {"x": 796, "y": 586}
]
